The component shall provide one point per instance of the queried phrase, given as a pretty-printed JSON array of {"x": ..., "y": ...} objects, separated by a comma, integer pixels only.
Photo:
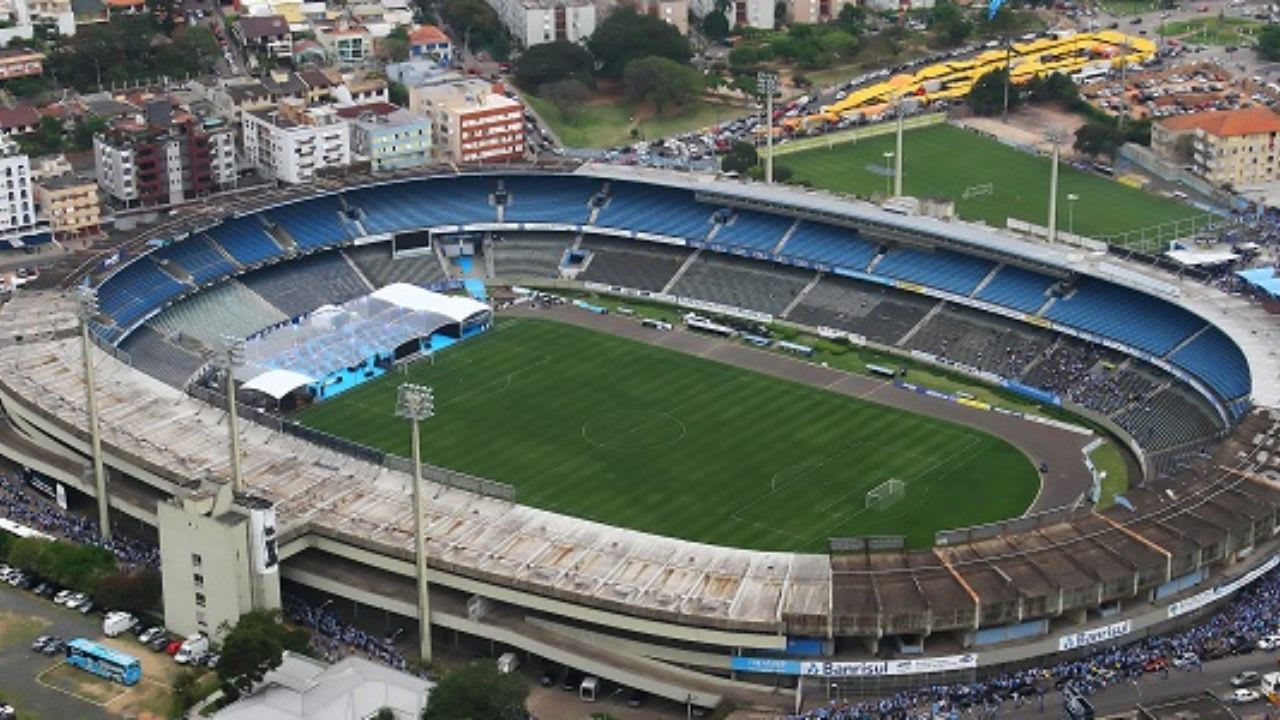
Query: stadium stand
[
  {"x": 1212, "y": 357},
  {"x": 1169, "y": 418},
  {"x": 1017, "y": 288},
  {"x": 978, "y": 340},
  {"x": 313, "y": 224},
  {"x": 742, "y": 283},
  {"x": 755, "y": 230},
  {"x": 549, "y": 199},
  {"x": 296, "y": 288},
  {"x": 879, "y": 313},
  {"x": 202, "y": 261},
  {"x": 382, "y": 269},
  {"x": 657, "y": 210},
  {"x": 246, "y": 240},
  {"x": 632, "y": 264},
  {"x": 1125, "y": 315},
  {"x": 154, "y": 355},
  {"x": 226, "y": 310},
  {"x": 941, "y": 269},
  {"x": 528, "y": 255},
  {"x": 135, "y": 290},
  {"x": 410, "y": 205},
  {"x": 831, "y": 245}
]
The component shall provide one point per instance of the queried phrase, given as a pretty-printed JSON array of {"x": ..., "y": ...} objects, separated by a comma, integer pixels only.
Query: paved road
[
  {"x": 1067, "y": 477},
  {"x": 19, "y": 666}
]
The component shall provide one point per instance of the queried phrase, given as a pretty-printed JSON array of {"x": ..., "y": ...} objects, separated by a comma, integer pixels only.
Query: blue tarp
[{"x": 1264, "y": 279}]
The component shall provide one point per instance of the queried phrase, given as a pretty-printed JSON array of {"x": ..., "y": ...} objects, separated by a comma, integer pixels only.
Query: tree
[
  {"x": 1056, "y": 87},
  {"x": 255, "y": 646},
  {"x": 662, "y": 81},
  {"x": 477, "y": 691},
  {"x": 715, "y": 25},
  {"x": 46, "y": 139},
  {"x": 479, "y": 25},
  {"x": 740, "y": 158},
  {"x": 851, "y": 18},
  {"x": 949, "y": 25},
  {"x": 554, "y": 61},
  {"x": 397, "y": 93},
  {"x": 395, "y": 46},
  {"x": 385, "y": 713},
  {"x": 60, "y": 562},
  {"x": 567, "y": 95},
  {"x": 1098, "y": 140},
  {"x": 987, "y": 95},
  {"x": 839, "y": 43},
  {"x": 137, "y": 591},
  {"x": 626, "y": 36},
  {"x": 1269, "y": 42}
]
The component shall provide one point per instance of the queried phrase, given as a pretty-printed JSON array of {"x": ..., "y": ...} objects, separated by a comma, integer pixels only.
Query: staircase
[
  {"x": 902, "y": 341},
  {"x": 666, "y": 289},
  {"x": 801, "y": 295}
]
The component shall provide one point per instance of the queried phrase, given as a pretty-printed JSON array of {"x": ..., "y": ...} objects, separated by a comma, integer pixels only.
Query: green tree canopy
[
  {"x": 1098, "y": 140},
  {"x": 625, "y": 36},
  {"x": 395, "y": 46},
  {"x": 715, "y": 25},
  {"x": 67, "y": 564},
  {"x": 740, "y": 158},
  {"x": 479, "y": 25},
  {"x": 137, "y": 591},
  {"x": 949, "y": 24},
  {"x": 662, "y": 81},
  {"x": 987, "y": 95},
  {"x": 554, "y": 61},
  {"x": 254, "y": 646},
  {"x": 1269, "y": 43},
  {"x": 477, "y": 691}
]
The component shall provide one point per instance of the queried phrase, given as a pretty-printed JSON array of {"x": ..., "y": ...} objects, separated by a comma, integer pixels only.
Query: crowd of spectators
[
  {"x": 334, "y": 639},
  {"x": 1254, "y": 613}
]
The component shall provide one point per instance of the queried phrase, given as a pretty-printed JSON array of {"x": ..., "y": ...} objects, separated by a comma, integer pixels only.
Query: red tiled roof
[
  {"x": 377, "y": 108},
  {"x": 427, "y": 35},
  {"x": 21, "y": 115},
  {"x": 1227, "y": 123}
]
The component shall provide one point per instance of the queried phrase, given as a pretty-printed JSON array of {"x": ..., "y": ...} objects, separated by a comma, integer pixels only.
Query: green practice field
[
  {"x": 625, "y": 433},
  {"x": 942, "y": 161}
]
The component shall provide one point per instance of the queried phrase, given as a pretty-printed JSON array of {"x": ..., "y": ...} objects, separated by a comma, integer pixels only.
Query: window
[
  {"x": 199, "y": 580},
  {"x": 200, "y": 601},
  {"x": 196, "y": 560}
]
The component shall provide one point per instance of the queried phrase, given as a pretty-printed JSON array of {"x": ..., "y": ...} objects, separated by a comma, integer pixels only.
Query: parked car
[
  {"x": 211, "y": 660},
  {"x": 147, "y": 636},
  {"x": 173, "y": 647},
  {"x": 7, "y": 712},
  {"x": 39, "y": 643},
  {"x": 1269, "y": 643},
  {"x": 1243, "y": 696},
  {"x": 54, "y": 646},
  {"x": 159, "y": 642},
  {"x": 1245, "y": 679}
]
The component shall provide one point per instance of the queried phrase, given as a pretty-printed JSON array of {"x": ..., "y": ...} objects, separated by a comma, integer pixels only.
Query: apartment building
[
  {"x": 673, "y": 12},
  {"x": 388, "y": 137},
  {"x": 429, "y": 41},
  {"x": 742, "y": 13},
  {"x": 292, "y": 143},
  {"x": 347, "y": 44},
  {"x": 166, "y": 159},
  {"x": 471, "y": 121},
  {"x": 533, "y": 22},
  {"x": 72, "y": 206},
  {"x": 816, "y": 11},
  {"x": 20, "y": 62},
  {"x": 17, "y": 206},
  {"x": 1233, "y": 148},
  {"x": 268, "y": 34}
]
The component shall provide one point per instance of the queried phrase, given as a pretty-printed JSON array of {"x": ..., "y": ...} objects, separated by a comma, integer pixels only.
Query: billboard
[{"x": 262, "y": 540}]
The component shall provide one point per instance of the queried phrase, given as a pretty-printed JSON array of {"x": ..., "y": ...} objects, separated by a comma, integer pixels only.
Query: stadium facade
[{"x": 680, "y": 619}]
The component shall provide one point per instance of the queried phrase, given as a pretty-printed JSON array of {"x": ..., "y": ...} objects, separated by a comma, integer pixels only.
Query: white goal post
[{"x": 886, "y": 494}]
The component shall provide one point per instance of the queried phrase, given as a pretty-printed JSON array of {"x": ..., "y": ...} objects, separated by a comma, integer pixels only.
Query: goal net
[{"x": 886, "y": 494}]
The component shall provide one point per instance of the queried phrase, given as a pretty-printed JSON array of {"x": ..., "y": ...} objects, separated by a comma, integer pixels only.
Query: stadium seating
[
  {"x": 940, "y": 269},
  {"x": 1170, "y": 418},
  {"x": 1212, "y": 357},
  {"x": 632, "y": 264},
  {"x": 549, "y": 199},
  {"x": 135, "y": 290},
  {"x": 657, "y": 210},
  {"x": 298, "y": 287},
  {"x": 154, "y": 355},
  {"x": 412, "y": 205},
  {"x": 978, "y": 340},
  {"x": 1016, "y": 288},
  {"x": 381, "y": 269},
  {"x": 202, "y": 261},
  {"x": 246, "y": 240},
  {"x": 313, "y": 224},
  {"x": 755, "y": 230},
  {"x": 528, "y": 255},
  {"x": 830, "y": 245},
  {"x": 742, "y": 283},
  {"x": 1125, "y": 315},
  {"x": 226, "y": 310},
  {"x": 879, "y": 313}
]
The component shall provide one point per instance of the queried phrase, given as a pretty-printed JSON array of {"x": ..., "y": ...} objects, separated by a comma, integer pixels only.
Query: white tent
[
  {"x": 412, "y": 297},
  {"x": 278, "y": 383}
]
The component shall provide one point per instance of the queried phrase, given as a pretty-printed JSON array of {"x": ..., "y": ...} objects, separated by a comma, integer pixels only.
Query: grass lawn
[
  {"x": 608, "y": 124},
  {"x": 17, "y": 629},
  {"x": 1129, "y": 7},
  {"x": 1109, "y": 459},
  {"x": 945, "y": 160},
  {"x": 1213, "y": 30},
  {"x": 629, "y": 434}
]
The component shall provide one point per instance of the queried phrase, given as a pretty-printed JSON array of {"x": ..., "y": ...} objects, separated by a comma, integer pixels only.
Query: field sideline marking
[{"x": 40, "y": 680}]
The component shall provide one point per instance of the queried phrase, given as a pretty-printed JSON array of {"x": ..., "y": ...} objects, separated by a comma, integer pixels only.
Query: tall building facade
[{"x": 471, "y": 121}]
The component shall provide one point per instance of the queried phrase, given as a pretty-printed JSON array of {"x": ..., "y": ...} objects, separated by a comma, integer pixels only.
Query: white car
[
  {"x": 62, "y": 597},
  {"x": 1243, "y": 696},
  {"x": 1270, "y": 642}
]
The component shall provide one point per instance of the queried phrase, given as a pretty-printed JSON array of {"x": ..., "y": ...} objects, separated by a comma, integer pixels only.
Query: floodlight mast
[
  {"x": 416, "y": 403},
  {"x": 767, "y": 83},
  {"x": 234, "y": 348},
  {"x": 86, "y": 309}
]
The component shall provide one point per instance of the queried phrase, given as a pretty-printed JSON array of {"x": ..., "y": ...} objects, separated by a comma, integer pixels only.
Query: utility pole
[
  {"x": 1008, "y": 72},
  {"x": 416, "y": 403},
  {"x": 234, "y": 349},
  {"x": 86, "y": 308},
  {"x": 767, "y": 83}
]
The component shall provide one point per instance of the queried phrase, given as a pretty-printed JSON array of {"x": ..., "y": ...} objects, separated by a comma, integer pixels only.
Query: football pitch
[
  {"x": 629, "y": 434},
  {"x": 944, "y": 161}
]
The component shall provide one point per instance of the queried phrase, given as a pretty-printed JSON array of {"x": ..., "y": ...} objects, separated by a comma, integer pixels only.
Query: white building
[
  {"x": 166, "y": 160},
  {"x": 471, "y": 121},
  {"x": 305, "y": 689},
  {"x": 17, "y": 208},
  {"x": 533, "y": 22},
  {"x": 292, "y": 143},
  {"x": 388, "y": 137}
]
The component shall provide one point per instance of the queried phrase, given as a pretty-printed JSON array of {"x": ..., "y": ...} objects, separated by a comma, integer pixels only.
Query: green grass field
[
  {"x": 945, "y": 160},
  {"x": 609, "y": 124},
  {"x": 1213, "y": 30},
  {"x": 629, "y": 434}
]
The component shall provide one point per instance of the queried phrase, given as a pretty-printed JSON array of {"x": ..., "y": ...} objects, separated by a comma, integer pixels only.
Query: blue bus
[{"x": 103, "y": 661}]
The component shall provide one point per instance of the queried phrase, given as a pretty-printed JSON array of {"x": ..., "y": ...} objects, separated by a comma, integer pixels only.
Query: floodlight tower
[
  {"x": 1055, "y": 137},
  {"x": 234, "y": 349},
  {"x": 416, "y": 403},
  {"x": 767, "y": 83},
  {"x": 897, "y": 158},
  {"x": 86, "y": 308}
]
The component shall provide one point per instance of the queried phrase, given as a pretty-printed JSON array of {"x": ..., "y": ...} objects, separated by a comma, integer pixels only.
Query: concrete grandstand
[{"x": 1185, "y": 366}]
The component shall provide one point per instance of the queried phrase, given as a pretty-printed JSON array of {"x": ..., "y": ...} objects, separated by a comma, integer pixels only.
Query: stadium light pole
[
  {"x": 1056, "y": 139},
  {"x": 86, "y": 308},
  {"x": 234, "y": 349},
  {"x": 416, "y": 403},
  {"x": 888, "y": 171},
  {"x": 897, "y": 158},
  {"x": 1071, "y": 212},
  {"x": 767, "y": 83}
]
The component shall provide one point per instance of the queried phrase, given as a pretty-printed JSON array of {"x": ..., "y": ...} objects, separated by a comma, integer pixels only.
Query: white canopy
[
  {"x": 278, "y": 383},
  {"x": 412, "y": 297},
  {"x": 1194, "y": 258}
]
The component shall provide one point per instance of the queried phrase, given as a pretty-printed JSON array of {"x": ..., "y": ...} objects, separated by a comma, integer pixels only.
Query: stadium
[{"x": 705, "y": 515}]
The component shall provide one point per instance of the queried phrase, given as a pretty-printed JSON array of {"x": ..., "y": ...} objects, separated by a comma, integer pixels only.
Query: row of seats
[
  {"x": 1212, "y": 357},
  {"x": 228, "y": 309},
  {"x": 1125, "y": 315},
  {"x": 135, "y": 290},
  {"x": 630, "y": 264},
  {"x": 154, "y": 355},
  {"x": 298, "y": 287},
  {"x": 755, "y": 230},
  {"x": 198, "y": 256},
  {"x": 831, "y": 245},
  {"x": 941, "y": 269},
  {"x": 246, "y": 240},
  {"x": 528, "y": 255},
  {"x": 312, "y": 224},
  {"x": 382, "y": 269}
]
